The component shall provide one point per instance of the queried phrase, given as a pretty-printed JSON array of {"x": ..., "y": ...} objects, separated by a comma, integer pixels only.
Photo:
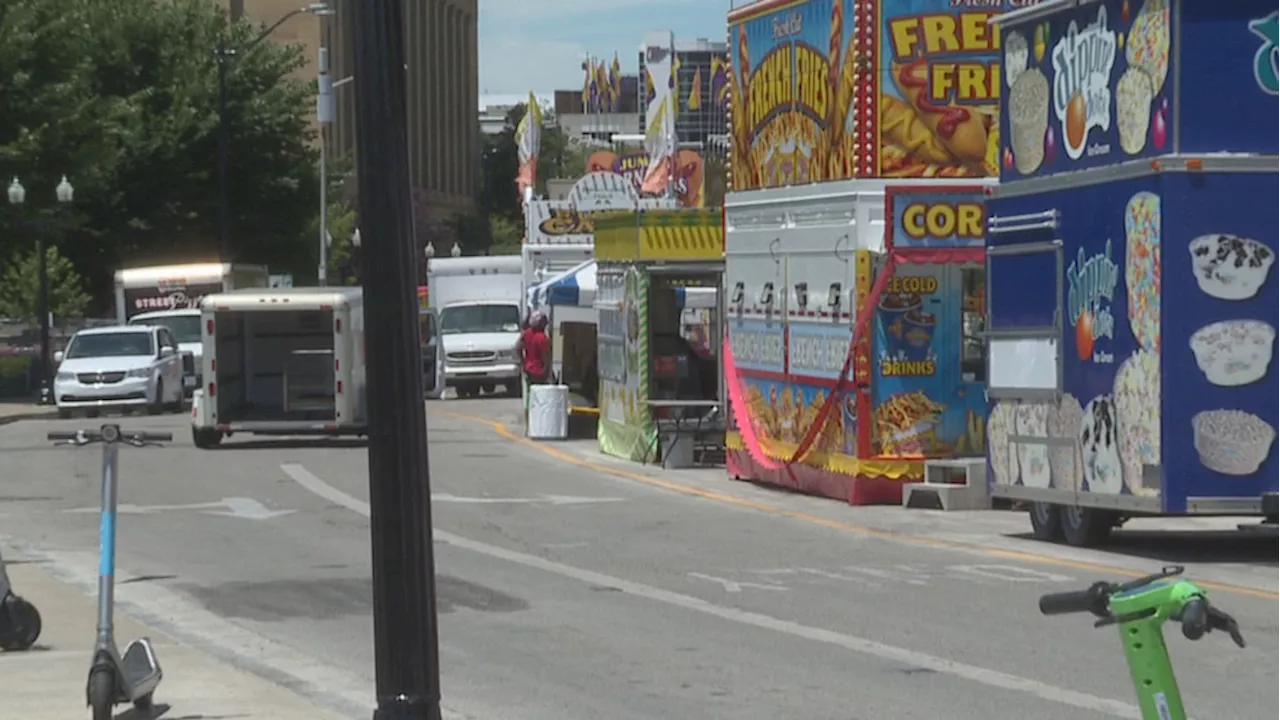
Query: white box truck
[
  {"x": 170, "y": 295},
  {"x": 281, "y": 362},
  {"x": 478, "y": 302},
  {"x": 179, "y": 287}
]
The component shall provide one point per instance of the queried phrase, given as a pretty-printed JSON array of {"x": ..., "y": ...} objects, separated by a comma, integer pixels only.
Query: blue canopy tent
[
  {"x": 569, "y": 298},
  {"x": 573, "y": 288}
]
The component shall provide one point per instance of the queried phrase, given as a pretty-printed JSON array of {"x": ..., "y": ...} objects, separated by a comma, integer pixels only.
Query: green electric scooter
[{"x": 1140, "y": 608}]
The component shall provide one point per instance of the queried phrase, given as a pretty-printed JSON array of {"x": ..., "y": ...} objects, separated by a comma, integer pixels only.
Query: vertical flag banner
[
  {"x": 528, "y": 141},
  {"x": 586, "y": 84},
  {"x": 593, "y": 88},
  {"x": 615, "y": 83},
  {"x": 606, "y": 87},
  {"x": 660, "y": 115},
  {"x": 695, "y": 91}
]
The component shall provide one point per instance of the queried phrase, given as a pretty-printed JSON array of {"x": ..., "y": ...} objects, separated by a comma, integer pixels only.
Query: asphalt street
[{"x": 567, "y": 592}]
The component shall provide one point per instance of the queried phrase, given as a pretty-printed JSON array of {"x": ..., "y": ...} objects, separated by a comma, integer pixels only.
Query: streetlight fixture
[
  {"x": 64, "y": 193},
  {"x": 17, "y": 193},
  {"x": 456, "y": 251},
  {"x": 355, "y": 238},
  {"x": 430, "y": 250},
  {"x": 223, "y": 55}
]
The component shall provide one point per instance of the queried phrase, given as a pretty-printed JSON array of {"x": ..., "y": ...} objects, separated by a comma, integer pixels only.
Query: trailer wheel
[
  {"x": 1087, "y": 527},
  {"x": 1046, "y": 522},
  {"x": 205, "y": 438}
]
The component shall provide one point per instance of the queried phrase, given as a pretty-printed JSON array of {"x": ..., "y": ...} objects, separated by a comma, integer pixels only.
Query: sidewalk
[
  {"x": 15, "y": 411},
  {"x": 48, "y": 682}
]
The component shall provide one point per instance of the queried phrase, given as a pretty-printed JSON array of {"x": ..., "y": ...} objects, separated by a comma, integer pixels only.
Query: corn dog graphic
[{"x": 960, "y": 129}]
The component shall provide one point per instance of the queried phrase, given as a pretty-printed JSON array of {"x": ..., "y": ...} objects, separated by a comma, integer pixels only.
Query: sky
[{"x": 539, "y": 45}]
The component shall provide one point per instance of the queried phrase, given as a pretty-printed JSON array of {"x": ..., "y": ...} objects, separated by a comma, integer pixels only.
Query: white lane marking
[
  {"x": 237, "y": 507},
  {"x": 1010, "y": 573},
  {"x": 902, "y": 575},
  {"x": 732, "y": 586},
  {"x": 973, "y": 673},
  {"x": 541, "y": 500}
]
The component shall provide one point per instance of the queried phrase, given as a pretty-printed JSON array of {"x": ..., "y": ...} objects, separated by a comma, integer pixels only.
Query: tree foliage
[
  {"x": 122, "y": 97},
  {"x": 507, "y": 236},
  {"x": 20, "y": 287}
]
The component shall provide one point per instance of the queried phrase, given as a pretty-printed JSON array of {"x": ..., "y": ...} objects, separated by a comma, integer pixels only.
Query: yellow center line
[{"x": 892, "y": 535}]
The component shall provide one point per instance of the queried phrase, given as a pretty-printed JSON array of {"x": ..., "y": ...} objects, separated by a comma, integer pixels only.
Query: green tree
[
  {"x": 342, "y": 229},
  {"x": 474, "y": 233},
  {"x": 121, "y": 96},
  {"x": 507, "y": 236},
  {"x": 20, "y": 287}
]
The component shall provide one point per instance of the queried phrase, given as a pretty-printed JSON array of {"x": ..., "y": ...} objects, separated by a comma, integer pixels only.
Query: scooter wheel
[
  {"x": 19, "y": 624},
  {"x": 102, "y": 694}
]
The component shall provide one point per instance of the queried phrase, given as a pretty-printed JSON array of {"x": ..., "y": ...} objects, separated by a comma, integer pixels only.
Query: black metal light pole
[
  {"x": 407, "y": 664},
  {"x": 224, "y": 155},
  {"x": 17, "y": 197},
  {"x": 222, "y": 55}
]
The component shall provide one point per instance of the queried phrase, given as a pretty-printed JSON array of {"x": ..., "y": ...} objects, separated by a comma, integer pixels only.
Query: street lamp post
[
  {"x": 223, "y": 54},
  {"x": 65, "y": 193}
]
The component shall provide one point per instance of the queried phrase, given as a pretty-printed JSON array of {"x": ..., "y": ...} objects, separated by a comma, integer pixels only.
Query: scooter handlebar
[
  {"x": 109, "y": 433},
  {"x": 1195, "y": 618},
  {"x": 1092, "y": 600}
]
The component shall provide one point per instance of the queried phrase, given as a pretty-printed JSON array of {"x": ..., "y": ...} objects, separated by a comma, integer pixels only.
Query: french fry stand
[
  {"x": 660, "y": 308},
  {"x": 854, "y": 354}
]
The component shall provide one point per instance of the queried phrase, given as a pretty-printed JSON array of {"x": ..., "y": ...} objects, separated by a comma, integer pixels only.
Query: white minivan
[{"x": 118, "y": 368}]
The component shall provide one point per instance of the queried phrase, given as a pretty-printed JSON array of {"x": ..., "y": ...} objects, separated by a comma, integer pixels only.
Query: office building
[
  {"x": 441, "y": 52},
  {"x": 699, "y": 119}
]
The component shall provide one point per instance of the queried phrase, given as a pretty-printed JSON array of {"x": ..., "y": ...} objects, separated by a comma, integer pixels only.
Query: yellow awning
[{"x": 687, "y": 234}]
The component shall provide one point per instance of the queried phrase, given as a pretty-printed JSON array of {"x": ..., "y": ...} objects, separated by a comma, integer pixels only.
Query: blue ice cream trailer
[{"x": 1132, "y": 301}]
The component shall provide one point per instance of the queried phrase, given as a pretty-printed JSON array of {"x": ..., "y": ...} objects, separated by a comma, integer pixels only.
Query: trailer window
[{"x": 973, "y": 347}]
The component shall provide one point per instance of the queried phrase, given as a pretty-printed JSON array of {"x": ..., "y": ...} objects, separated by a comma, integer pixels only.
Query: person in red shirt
[{"x": 535, "y": 349}]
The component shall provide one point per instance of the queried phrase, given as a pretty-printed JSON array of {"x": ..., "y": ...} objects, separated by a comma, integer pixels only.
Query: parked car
[{"x": 122, "y": 367}]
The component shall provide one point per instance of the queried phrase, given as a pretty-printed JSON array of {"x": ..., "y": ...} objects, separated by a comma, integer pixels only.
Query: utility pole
[
  {"x": 406, "y": 654},
  {"x": 324, "y": 116},
  {"x": 224, "y": 155}
]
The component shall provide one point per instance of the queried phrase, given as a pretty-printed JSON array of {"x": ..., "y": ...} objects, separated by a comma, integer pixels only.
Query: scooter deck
[{"x": 140, "y": 668}]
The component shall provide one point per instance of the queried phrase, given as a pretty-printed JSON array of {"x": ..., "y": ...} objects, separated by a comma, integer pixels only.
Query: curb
[{"x": 43, "y": 415}]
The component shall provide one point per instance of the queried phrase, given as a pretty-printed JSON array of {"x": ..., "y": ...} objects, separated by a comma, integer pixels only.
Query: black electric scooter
[{"x": 19, "y": 619}]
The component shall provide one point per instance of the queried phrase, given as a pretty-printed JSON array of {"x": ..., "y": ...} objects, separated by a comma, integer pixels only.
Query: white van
[
  {"x": 478, "y": 302},
  {"x": 185, "y": 326},
  {"x": 281, "y": 362}
]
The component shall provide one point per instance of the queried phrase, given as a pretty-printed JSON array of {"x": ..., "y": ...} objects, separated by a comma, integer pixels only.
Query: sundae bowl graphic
[
  {"x": 1232, "y": 442},
  {"x": 894, "y": 309},
  {"x": 919, "y": 334}
]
